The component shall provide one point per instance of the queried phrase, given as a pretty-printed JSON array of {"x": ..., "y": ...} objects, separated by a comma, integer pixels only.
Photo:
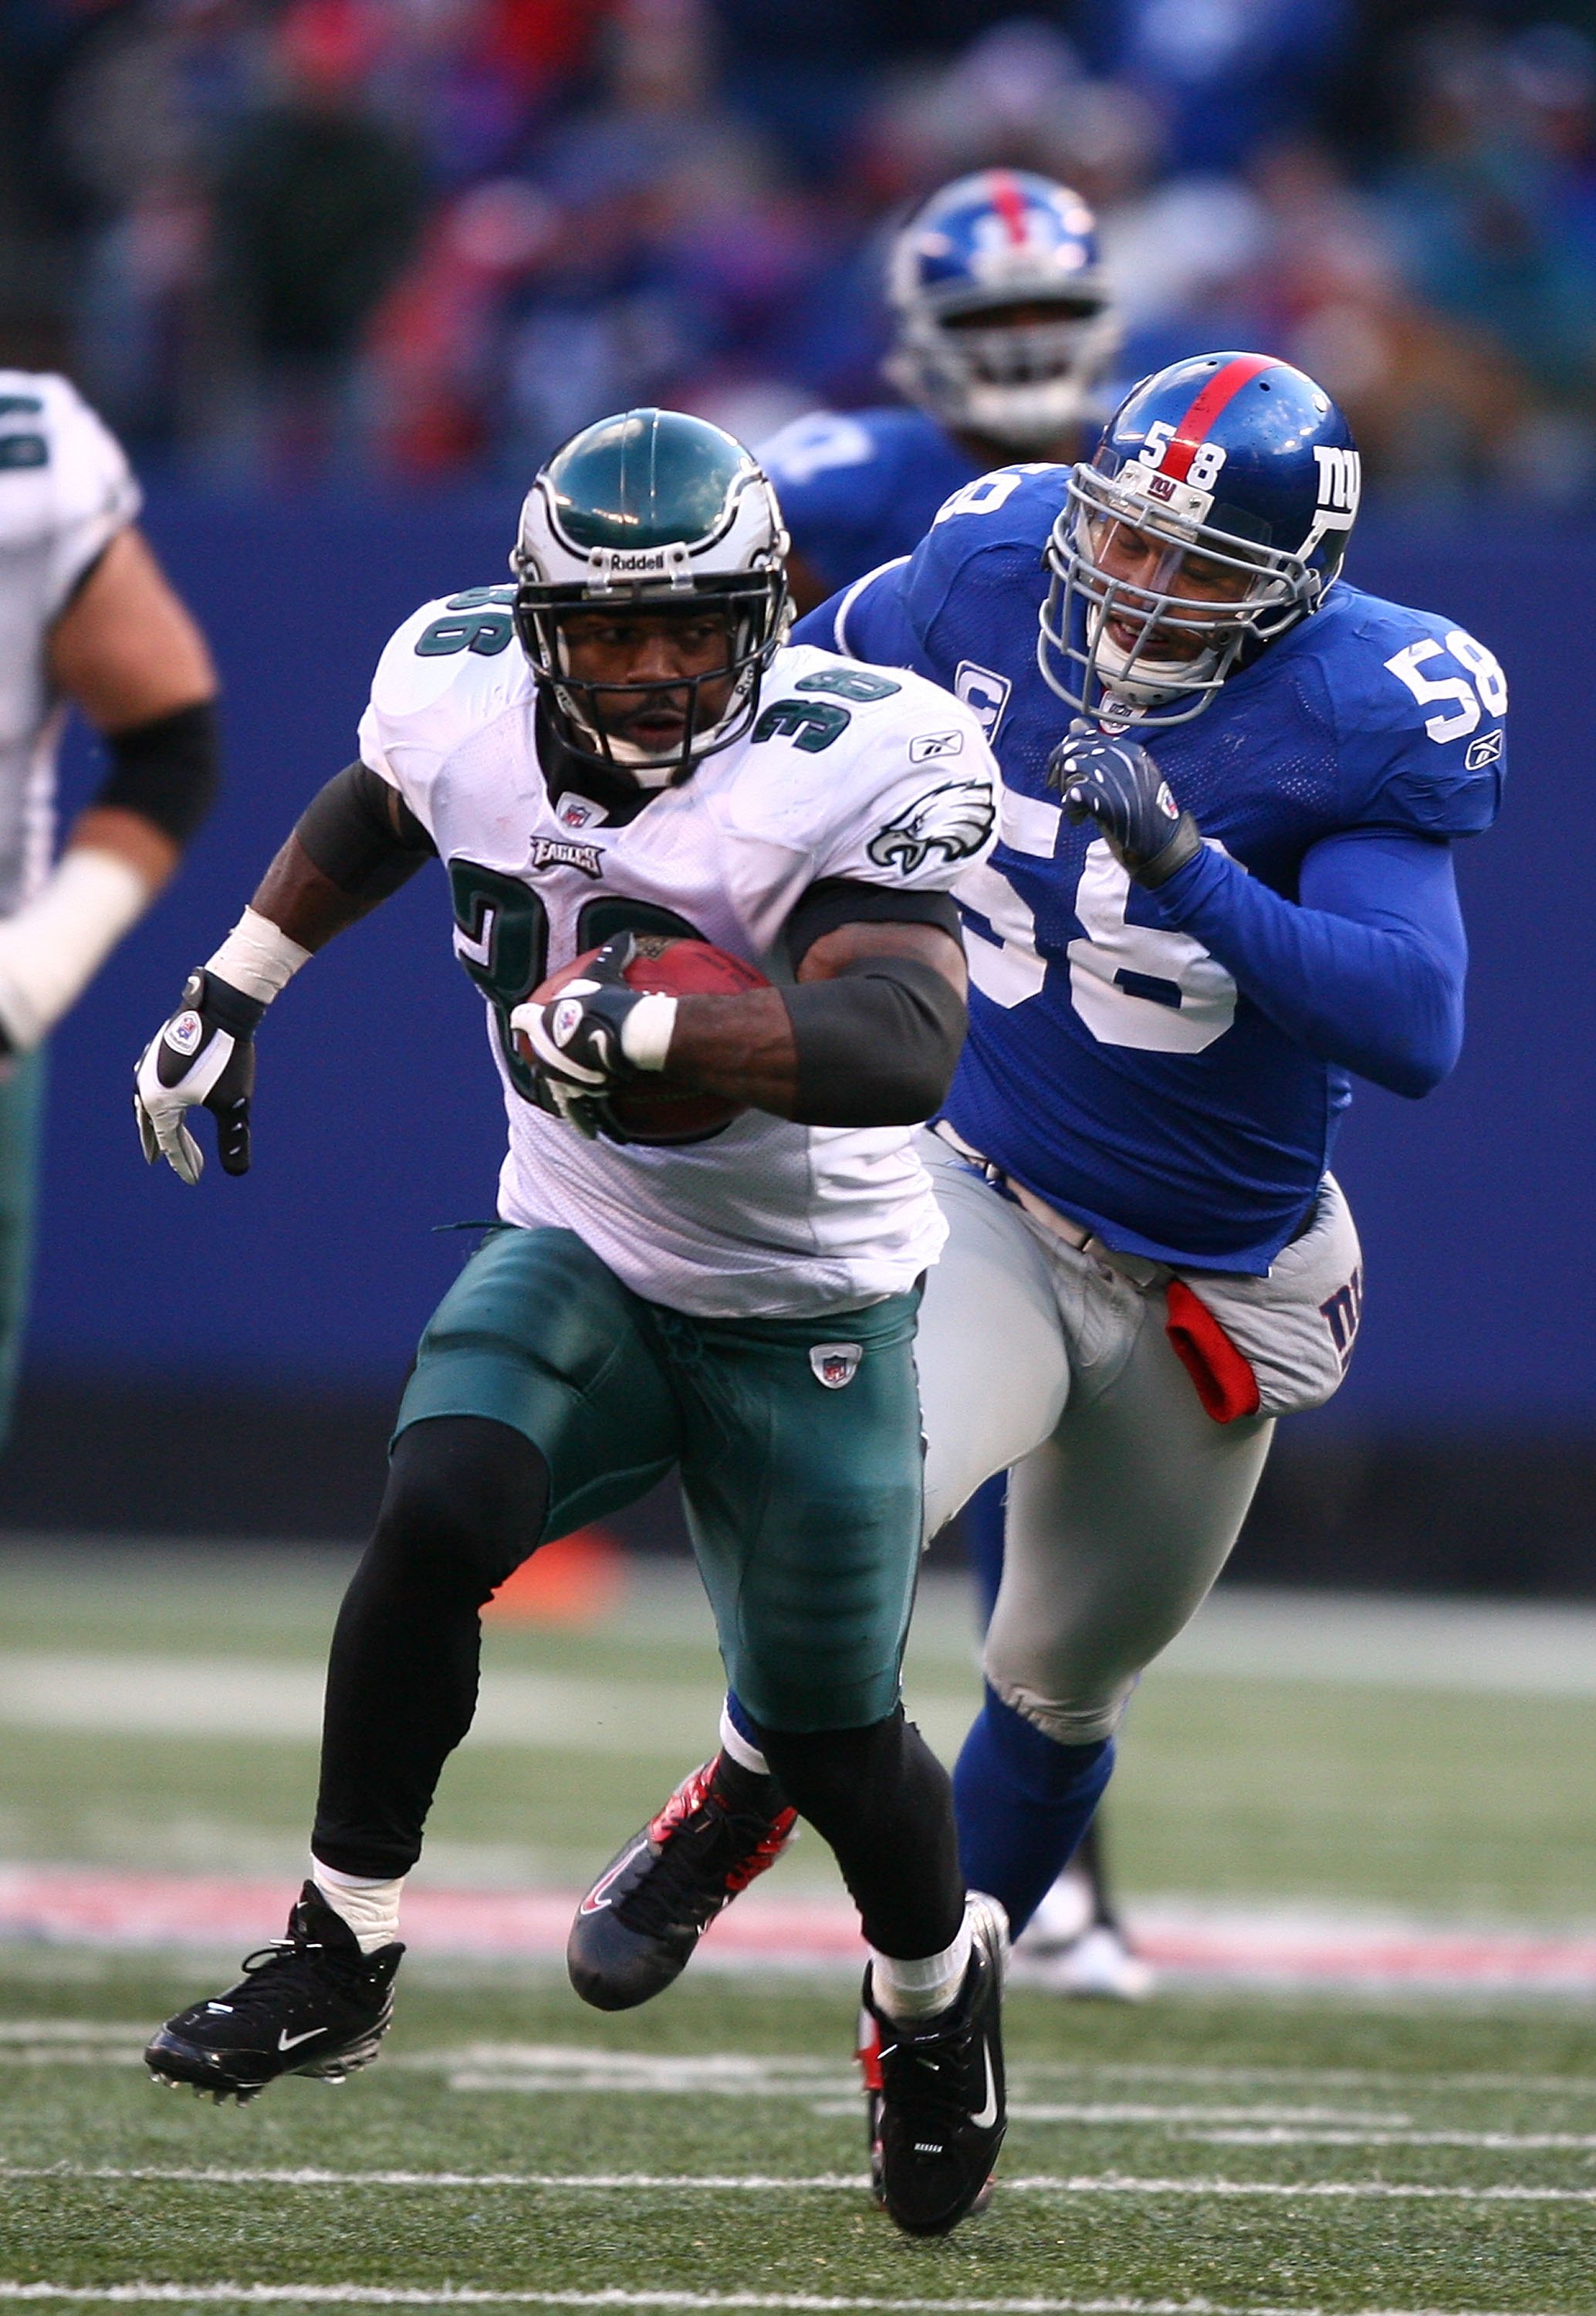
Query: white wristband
[
  {"x": 52, "y": 948},
  {"x": 646, "y": 1032},
  {"x": 257, "y": 958}
]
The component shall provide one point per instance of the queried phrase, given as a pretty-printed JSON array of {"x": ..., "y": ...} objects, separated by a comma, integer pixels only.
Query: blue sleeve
[
  {"x": 1367, "y": 970},
  {"x": 1419, "y": 710},
  {"x": 868, "y": 620},
  {"x": 970, "y": 586}
]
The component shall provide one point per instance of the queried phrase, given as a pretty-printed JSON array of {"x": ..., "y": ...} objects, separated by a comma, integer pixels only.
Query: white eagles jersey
[
  {"x": 65, "y": 493},
  {"x": 872, "y": 774}
]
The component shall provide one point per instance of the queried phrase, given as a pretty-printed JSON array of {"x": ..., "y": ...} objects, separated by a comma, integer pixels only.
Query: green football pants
[
  {"x": 22, "y": 1120},
  {"x": 797, "y": 1442}
]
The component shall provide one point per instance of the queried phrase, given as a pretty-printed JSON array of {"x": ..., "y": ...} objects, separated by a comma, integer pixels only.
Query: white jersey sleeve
[
  {"x": 914, "y": 802},
  {"x": 65, "y": 492},
  {"x": 453, "y": 666},
  {"x": 65, "y": 486}
]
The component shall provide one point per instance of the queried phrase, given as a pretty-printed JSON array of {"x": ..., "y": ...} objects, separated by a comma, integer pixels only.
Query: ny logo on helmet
[{"x": 1341, "y": 479}]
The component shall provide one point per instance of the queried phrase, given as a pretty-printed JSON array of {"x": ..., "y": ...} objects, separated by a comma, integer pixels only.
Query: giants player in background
[
  {"x": 1003, "y": 328},
  {"x": 86, "y": 618},
  {"x": 1231, "y": 783}
]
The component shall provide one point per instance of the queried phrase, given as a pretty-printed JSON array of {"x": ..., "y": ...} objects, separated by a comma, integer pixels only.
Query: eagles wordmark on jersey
[{"x": 874, "y": 775}]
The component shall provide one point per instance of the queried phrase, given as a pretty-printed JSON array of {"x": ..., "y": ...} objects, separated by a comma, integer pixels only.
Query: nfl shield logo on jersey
[{"x": 836, "y": 1364}]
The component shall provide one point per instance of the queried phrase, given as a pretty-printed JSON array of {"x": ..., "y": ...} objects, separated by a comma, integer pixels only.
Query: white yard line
[
  {"x": 1506, "y": 2142},
  {"x": 576, "y": 2066},
  {"x": 384, "y": 2295},
  {"x": 772, "y": 2183}
]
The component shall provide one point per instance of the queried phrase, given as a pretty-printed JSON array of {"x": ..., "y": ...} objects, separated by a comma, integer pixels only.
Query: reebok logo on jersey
[
  {"x": 1482, "y": 752},
  {"x": 954, "y": 820},
  {"x": 929, "y": 745},
  {"x": 835, "y": 1363},
  {"x": 184, "y": 1032},
  {"x": 553, "y": 852}
]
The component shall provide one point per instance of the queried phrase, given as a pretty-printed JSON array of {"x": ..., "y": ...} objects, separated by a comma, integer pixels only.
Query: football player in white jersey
[
  {"x": 86, "y": 618},
  {"x": 622, "y": 746}
]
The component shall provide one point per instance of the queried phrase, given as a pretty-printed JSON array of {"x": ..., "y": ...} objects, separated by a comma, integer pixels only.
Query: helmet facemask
[
  {"x": 757, "y": 611},
  {"x": 1021, "y": 383},
  {"x": 1135, "y": 676}
]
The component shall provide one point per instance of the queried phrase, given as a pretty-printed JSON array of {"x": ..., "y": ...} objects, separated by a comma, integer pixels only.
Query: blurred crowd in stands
[{"x": 285, "y": 240}]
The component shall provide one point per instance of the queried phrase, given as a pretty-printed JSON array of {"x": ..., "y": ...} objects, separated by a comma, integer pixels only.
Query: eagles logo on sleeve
[{"x": 954, "y": 820}]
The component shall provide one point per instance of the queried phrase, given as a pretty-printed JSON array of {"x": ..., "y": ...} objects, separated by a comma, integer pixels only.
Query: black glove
[
  {"x": 1116, "y": 783},
  {"x": 573, "y": 1040},
  {"x": 204, "y": 1054}
]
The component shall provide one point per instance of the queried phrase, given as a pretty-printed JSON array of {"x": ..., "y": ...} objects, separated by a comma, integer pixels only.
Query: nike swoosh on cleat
[
  {"x": 286, "y": 2042},
  {"x": 226, "y": 2008},
  {"x": 594, "y": 1903},
  {"x": 989, "y": 2113}
]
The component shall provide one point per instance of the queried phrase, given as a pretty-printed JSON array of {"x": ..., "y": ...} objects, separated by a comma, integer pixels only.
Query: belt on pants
[
  {"x": 1143, "y": 1272},
  {"x": 1142, "y": 1268}
]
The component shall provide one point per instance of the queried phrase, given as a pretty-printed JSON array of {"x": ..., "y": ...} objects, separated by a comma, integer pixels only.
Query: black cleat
[
  {"x": 308, "y": 2004},
  {"x": 935, "y": 2093},
  {"x": 636, "y": 1928}
]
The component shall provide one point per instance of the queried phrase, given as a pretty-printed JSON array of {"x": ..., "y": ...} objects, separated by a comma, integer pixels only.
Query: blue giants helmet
[
  {"x": 1214, "y": 516},
  {"x": 1000, "y": 239}
]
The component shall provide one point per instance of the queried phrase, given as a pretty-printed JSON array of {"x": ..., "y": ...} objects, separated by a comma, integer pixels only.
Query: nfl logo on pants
[{"x": 836, "y": 1364}]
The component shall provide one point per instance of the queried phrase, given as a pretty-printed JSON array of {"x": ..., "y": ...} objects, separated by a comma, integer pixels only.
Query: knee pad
[{"x": 464, "y": 1504}]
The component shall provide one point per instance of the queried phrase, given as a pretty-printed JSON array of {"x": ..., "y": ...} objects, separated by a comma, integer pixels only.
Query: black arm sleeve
[
  {"x": 166, "y": 771},
  {"x": 349, "y": 833},
  {"x": 877, "y": 1045},
  {"x": 845, "y": 900}
]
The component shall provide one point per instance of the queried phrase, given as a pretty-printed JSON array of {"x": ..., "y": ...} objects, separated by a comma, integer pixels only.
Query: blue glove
[{"x": 1116, "y": 783}]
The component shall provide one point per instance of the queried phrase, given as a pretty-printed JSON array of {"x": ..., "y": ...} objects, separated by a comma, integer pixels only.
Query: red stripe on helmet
[
  {"x": 1222, "y": 388},
  {"x": 1009, "y": 204}
]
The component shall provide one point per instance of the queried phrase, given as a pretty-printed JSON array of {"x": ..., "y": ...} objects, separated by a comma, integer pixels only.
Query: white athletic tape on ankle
[
  {"x": 918, "y": 1990},
  {"x": 371, "y": 1909}
]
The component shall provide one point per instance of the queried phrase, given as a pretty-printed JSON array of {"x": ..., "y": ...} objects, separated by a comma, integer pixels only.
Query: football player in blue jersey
[
  {"x": 1003, "y": 328},
  {"x": 1231, "y": 785}
]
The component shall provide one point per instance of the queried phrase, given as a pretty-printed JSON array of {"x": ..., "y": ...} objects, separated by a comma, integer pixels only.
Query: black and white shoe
[
  {"x": 636, "y": 1928},
  {"x": 308, "y": 2004},
  {"x": 935, "y": 2092}
]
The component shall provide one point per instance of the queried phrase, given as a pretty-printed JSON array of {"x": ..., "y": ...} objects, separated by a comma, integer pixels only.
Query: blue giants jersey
[
  {"x": 857, "y": 490},
  {"x": 1112, "y": 1065}
]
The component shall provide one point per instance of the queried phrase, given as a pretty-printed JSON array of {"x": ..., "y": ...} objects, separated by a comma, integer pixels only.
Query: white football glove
[{"x": 203, "y": 1055}]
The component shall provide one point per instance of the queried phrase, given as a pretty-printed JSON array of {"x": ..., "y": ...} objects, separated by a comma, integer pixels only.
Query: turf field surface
[
  {"x": 707, "y": 2151},
  {"x": 1294, "y": 1761}
]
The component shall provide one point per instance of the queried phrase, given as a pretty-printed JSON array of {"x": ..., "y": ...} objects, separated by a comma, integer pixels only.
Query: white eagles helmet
[{"x": 651, "y": 507}]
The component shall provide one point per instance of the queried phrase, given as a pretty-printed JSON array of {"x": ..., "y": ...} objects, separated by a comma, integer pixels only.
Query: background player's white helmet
[
  {"x": 655, "y": 508},
  {"x": 998, "y": 239}
]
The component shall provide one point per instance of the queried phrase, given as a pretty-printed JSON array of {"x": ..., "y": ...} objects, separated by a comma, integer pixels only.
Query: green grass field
[{"x": 1205, "y": 2153}]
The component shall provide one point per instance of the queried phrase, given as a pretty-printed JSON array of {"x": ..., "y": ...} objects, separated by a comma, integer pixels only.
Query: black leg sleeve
[
  {"x": 465, "y": 1502},
  {"x": 884, "y": 1802}
]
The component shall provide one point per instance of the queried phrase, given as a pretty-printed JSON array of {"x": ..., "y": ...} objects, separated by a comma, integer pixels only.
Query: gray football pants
[{"x": 1124, "y": 1498}]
